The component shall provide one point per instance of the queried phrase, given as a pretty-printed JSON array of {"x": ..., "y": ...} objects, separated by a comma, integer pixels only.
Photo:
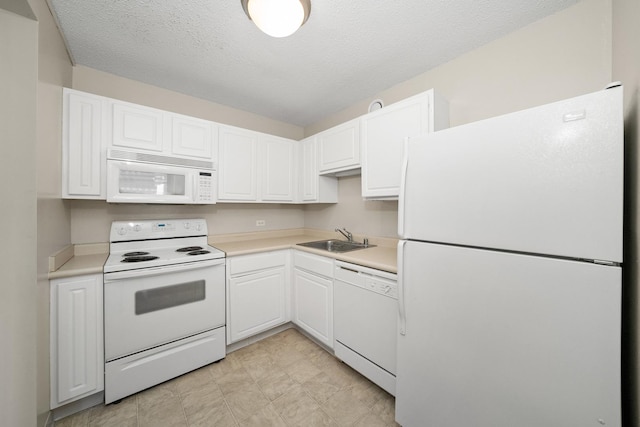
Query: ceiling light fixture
[{"x": 277, "y": 18}]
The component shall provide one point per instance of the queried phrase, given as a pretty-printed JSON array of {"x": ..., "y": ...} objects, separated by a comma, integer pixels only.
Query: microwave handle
[{"x": 195, "y": 188}]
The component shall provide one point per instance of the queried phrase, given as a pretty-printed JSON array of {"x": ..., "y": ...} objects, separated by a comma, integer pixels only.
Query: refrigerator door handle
[
  {"x": 401, "y": 307},
  {"x": 403, "y": 186}
]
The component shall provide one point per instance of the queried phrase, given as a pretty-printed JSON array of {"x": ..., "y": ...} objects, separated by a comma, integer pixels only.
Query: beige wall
[
  {"x": 18, "y": 295},
  {"x": 54, "y": 230},
  {"x": 626, "y": 68},
  {"x": 90, "y": 220},
  {"x": 563, "y": 55}
]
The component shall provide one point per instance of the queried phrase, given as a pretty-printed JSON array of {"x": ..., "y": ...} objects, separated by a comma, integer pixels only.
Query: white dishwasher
[{"x": 365, "y": 321}]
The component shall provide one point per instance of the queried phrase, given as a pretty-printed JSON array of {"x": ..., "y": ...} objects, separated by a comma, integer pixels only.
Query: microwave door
[{"x": 131, "y": 182}]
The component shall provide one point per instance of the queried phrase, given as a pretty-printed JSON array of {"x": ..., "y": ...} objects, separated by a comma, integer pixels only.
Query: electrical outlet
[{"x": 260, "y": 222}]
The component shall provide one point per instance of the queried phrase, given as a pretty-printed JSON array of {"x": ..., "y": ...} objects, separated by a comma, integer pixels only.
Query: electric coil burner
[
  {"x": 189, "y": 249},
  {"x": 138, "y": 258},
  {"x": 164, "y": 303}
]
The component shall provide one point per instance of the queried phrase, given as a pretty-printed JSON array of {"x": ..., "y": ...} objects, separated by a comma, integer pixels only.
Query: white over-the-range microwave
[{"x": 134, "y": 177}]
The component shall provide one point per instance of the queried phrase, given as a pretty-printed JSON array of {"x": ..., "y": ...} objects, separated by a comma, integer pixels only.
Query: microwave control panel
[{"x": 205, "y": 193}]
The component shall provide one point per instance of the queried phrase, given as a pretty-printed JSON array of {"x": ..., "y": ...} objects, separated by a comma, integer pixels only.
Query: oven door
[{"x": 149, "y": 307}]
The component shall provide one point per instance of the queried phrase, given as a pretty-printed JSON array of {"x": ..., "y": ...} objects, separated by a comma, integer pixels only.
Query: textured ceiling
[{"x": 347, "y": 51}]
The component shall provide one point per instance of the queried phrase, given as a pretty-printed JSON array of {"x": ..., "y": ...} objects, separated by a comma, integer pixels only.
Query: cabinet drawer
[
  {"x": 256, "y": 262},
  {"x": 314, "y": 263}
]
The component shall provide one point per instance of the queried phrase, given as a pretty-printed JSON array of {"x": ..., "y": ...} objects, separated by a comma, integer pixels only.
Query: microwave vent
[{"x": 158, "y": 159}]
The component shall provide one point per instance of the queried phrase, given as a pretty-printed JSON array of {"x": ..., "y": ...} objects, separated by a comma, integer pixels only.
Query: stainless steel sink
[{"x": 333, "y": 245}]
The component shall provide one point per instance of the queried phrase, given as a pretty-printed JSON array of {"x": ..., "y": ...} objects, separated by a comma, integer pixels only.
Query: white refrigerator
[{"x": 510, "y": 270}]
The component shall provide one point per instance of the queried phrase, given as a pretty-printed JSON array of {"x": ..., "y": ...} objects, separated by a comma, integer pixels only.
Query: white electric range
[{"x": 164, "y": 303}]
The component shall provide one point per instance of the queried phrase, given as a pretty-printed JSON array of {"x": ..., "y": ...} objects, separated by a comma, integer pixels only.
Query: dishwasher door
[{"x": 366, "y": 315}]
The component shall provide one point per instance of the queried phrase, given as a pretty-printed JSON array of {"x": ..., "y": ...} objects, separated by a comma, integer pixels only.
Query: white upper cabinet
[
  {"x": 382, "y": 140},
  {"x": 339, "y": 148},
  {"x": 83, "y": 146},
  {"x": 92, "y": 124},
  {"x": 145, "y": 129},
  {"x": 313, "y": 188},
  {"x": 255, "y": 167},
  {"x": 278, "y": 167},
  {"x": 307, "y": 170},
  {"x": 238, "y": 172},
  {"x": 137, "y": 127},
  {"x": 193, "y": 137}
]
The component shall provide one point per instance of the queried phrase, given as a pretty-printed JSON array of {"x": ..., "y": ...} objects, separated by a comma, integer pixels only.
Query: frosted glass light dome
[{"x": 277, "y": 18}]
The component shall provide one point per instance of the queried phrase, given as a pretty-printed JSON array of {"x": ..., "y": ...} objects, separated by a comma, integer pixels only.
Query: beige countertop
[
  {"x": 382, "y": 257},
  {"x": 76, "y": 260}
]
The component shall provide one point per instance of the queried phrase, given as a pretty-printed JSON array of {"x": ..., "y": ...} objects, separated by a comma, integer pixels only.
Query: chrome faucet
[{"x": 346, "y": 234}]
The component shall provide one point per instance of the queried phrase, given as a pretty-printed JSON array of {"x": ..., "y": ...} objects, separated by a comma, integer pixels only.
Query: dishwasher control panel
[
  {"x": 383, "y": 287},
  {"x": 377, "y": 281}
]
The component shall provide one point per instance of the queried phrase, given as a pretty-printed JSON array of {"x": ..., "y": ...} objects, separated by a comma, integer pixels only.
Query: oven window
[{"x": 169, "y": 296}]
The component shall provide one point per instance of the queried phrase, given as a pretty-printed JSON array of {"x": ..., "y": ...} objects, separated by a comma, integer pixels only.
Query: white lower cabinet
[
  {"x": 257, "y": 293},
  {"x": 313, "y": 295},
  {"x": 77, "y": 346}
]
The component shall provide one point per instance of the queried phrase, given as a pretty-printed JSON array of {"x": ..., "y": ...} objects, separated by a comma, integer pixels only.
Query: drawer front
[
  {"x": 255, "y": 262},
  {"x": 313, "y": 263}
]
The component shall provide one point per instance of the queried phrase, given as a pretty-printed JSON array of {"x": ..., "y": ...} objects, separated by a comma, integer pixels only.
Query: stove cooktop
[{"x": 145, "y": 244}]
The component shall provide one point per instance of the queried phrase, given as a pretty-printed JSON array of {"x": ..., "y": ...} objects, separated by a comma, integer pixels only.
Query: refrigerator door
[
  {"x": 497, "y": 339},
  {"x": 547, "y": 180}
]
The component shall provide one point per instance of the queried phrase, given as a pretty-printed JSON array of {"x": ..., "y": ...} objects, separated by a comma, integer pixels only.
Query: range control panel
[{"x": 156, "y": 229}]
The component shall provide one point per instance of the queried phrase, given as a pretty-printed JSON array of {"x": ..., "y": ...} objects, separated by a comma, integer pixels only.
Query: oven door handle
[{"x": 154, "y": 271}]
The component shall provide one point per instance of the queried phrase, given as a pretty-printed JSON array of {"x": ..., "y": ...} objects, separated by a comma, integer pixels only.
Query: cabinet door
[
  {"x": 77, "y": 352},
  {"x": 135, "y": 126},
  {"x": 278, "y": 166},
  {"x": 237, "y": 175},
  {"x": 308, "y": 171},
  {"x": 339, "y": 148},
  {"x": 313, "y": 305},
  {"x": 83, "y": 150},
  {"x": 257, "y": 302},
  {"x": 383, "y": 134},
  {"x": 192, "y": 137}
]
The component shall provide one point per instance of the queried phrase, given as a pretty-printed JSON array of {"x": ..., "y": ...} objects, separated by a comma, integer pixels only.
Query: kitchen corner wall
[
  {"x": 368, "y": 218},
  {"x": 53, "y": 217},
  {"x": 18, "y": 296},
  {"x": 564, "y": 55}
]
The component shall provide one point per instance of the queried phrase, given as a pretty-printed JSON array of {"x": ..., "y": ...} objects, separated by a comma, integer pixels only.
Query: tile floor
[{"x": 284, "y": 380}]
